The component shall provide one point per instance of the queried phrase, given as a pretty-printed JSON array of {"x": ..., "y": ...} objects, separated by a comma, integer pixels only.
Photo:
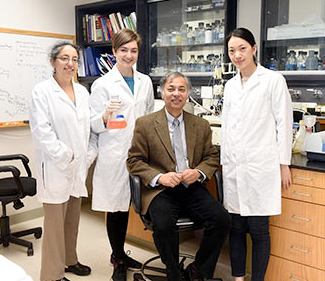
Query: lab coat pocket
[
  {"x": 55, "y": 179},
  {"x": 262, "y": 166}
]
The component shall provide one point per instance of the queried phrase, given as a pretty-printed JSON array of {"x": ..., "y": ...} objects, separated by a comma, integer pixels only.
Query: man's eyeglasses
[{"x": 67, "y": 59}]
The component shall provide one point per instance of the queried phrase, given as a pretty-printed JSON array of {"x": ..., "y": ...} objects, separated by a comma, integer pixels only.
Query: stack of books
[
  {"x": 94, "y": 63},
  {"x": 97, "y": 28}
]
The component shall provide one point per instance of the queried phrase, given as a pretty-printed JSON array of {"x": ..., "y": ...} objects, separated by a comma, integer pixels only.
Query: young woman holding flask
[
  {"x": 122, "y": 91},
  {"x": 256, "y": 152}
]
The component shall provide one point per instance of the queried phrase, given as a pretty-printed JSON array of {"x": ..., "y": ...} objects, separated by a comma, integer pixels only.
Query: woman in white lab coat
[
  {"x": 60, "y": 126},
  {"x": 255, "y": 152},
  {"x": 111, "y": 189}
]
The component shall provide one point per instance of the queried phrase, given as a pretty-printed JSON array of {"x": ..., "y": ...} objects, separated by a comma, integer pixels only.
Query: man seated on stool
[{"x": 172, "y": 161}]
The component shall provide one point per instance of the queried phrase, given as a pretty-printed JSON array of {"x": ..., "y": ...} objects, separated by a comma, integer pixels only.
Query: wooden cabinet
[{"x": 298, "y": 234}]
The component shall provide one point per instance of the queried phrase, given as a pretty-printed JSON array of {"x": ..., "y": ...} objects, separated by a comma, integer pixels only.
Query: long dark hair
[{"x": 245, "y": 34}]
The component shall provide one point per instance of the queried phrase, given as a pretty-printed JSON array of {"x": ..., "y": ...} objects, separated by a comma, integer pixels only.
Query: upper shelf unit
[{"x": 188, "y": 35}]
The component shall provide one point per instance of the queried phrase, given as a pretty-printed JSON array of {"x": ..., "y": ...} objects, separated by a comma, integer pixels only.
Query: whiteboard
[{"x": 24, "y": 62}]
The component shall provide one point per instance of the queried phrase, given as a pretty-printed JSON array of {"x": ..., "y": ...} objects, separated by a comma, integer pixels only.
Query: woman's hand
[
  {"x": 286, "y": 179},
  {"x": 110, "y": 107}
]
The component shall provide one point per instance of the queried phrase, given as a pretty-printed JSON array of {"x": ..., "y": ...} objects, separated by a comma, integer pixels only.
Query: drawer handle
[
  {"x": 300, "y": 218},
  {"x": 300, "y": 250},
  {"x": 302, "y": 194},
  {"x": 304, "y": 179},
  {"x": 294, "y": 279}
]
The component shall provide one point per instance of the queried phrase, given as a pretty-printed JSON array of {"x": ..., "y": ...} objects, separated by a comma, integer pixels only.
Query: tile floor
[{"x": 94, "y": 250}]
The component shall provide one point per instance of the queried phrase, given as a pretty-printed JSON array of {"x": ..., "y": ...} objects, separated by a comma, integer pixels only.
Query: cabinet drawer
[
  {"x": 298, "y": 247},
  {"x": 300, "y": 216},
  {"x": 305, "y": 193},
  {"x": 310, "y": 178},
  {"x": 284, "y": 270}
]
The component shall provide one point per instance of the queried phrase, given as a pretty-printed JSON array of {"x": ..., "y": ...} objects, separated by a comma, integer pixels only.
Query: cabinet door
[
  {"x": 298, "y": 247},
  {"x": 303, "y": 217},
  {"x": 284, "y": 270},
  {"x": 187, "y": 36}
]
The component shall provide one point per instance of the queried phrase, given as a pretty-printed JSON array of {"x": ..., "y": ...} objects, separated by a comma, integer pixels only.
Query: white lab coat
[
  {"x": 111, "y": 189},
  {"x": 61, "y": 131},
  {"x": 256, "y": 139}
]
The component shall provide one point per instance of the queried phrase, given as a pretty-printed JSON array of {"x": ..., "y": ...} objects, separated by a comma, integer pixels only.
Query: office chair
[
  {"x": 12, "y": 189},
  {"x": 183, "y": 224}
]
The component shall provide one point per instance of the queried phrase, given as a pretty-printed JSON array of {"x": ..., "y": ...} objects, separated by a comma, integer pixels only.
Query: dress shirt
[{"x": 170, "y": 120}]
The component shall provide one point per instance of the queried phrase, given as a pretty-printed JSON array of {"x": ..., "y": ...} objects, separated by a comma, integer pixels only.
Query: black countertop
[{"x": 301, "y": 162}]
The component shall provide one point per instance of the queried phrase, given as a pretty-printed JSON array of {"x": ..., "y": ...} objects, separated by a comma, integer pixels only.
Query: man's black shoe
[
  {"x": 78, "y": 269},
  {"x": 192, "y": 273}
]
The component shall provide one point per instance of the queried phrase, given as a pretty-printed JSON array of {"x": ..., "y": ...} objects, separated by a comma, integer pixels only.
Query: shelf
[
  {"x": 290, "y": 42},
  {"x": 100, "y": 44},
  {"x": 193, "y": 46},
  {"x": 205, "y": 10}
]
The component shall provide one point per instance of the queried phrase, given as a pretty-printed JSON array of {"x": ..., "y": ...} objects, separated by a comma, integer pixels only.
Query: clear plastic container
[
  {"x": 311, "y": 61},
  {"x": 117, "y": 122}
]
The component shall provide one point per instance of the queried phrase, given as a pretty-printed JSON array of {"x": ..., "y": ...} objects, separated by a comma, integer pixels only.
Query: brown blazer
[{"x": 152, "y": 153}]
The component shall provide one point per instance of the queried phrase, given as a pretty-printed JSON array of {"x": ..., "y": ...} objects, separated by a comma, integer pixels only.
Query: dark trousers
[
  {"x": 258, "y": 228},
  {"x": 197, "y": 203},
  {"x": 116, "y": 225}
]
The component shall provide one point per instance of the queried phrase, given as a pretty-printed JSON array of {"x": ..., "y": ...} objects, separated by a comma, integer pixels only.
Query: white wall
[{"x": 54, "y": 16}]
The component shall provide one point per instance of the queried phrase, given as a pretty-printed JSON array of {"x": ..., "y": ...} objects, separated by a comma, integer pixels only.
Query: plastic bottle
[
  {"x": 196, "y": 33},
  {"x": 319, "y": 63},
  {"x": 165, "y": 37},
  {"x": 300, "y": 138},
  {"x": 301, "y": 61},
  {"x": 311, "y": 61},
  {"x": 208, "y": 34}
]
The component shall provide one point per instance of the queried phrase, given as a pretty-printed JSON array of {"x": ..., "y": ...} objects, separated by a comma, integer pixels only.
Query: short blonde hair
[{"x": 124, "y": 36}]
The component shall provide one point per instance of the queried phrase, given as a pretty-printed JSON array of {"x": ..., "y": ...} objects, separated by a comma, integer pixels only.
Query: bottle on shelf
[
  {"x": 222, "y": 30},
  {"x": 159, "y": 40},
  {"x": 165, "y": 37},
  {"x": 201, "y": 33},
  {"x": 196, "y": 32},
  {"x": 301, "y": 61},
  {"x": 291, "y": 63},
  {"x": 216, "y": 31},
  {"x": 208, "y": 34},
  {"x": 319, "y": 63},
  {"x": 311, "y": 60},
  {"x": 190, "y": 36},
  {"x": 191, "y": 65},
  {"x": 183, "y": 31},
  {"x": 200, "y": 64},
  {"x": 273, "y": 64}
]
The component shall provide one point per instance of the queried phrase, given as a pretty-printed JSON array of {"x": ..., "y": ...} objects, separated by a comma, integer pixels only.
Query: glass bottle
[
  {"x": 291, "y": 63},
  {"x": 200, "y": 35},
  {"x": 301, "y": 61},
  {"x": 190, "y": 36},
  {"x": 196, "y": 33},
  {"x": 191, "y": 65},
  {"x": 273, "y": 64},
  {"x": 216, "y": 31},
  {"x": 311, "y": 60},
  {"x": 222, "y": 31},
  {"x": 200, "y": 64}
]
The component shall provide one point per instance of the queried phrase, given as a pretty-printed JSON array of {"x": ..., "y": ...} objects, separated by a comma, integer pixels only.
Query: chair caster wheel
[
  {"x": 38, "y": 234},
  {"x": 30, "y": 252}
]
